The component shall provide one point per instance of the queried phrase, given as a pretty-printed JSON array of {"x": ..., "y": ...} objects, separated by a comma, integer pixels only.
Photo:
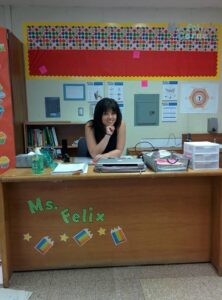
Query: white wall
[
  {"x": 38, "y": 89},
  {"x": 5, "y": 17},
  {"x": 2, "y": 17}
]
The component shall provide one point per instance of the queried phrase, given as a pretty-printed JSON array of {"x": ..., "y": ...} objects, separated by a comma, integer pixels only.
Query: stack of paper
[{"x": 70, "y": 168}]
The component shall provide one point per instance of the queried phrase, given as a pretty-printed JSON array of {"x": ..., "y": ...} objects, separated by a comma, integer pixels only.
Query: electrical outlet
[{"x": 80, "y": 111}]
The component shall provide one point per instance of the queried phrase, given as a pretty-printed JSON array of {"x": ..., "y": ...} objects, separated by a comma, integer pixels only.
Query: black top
[{"x": 111, "y": 144}]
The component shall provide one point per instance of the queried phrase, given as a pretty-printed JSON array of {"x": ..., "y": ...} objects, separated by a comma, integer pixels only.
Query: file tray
[
  {"x": 202, "y": 155},
  {"x": 120, "y": 165},
  {"x": 172, "y": 163}
]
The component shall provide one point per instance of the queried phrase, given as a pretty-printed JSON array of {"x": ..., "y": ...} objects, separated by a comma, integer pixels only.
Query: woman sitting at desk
[{"x": 106, "y": 133}]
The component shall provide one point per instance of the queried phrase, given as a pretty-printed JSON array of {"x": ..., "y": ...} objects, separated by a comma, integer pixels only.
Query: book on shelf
[
  {"x": 49, "y": 136},
  {"x": 54, "y": 136},
  {"x": 68, "y": 168},
  {"x": 40, "y": 137}
]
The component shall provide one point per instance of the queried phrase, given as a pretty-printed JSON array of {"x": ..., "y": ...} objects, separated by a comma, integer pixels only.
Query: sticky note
[
  {"x": 43, "y": 69},
  {"x": 144, "y": 83},
  {"x": 136, "y": 54}
]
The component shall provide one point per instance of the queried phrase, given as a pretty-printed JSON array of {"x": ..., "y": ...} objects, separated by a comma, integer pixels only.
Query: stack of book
[{"x": 42, "y": 137}]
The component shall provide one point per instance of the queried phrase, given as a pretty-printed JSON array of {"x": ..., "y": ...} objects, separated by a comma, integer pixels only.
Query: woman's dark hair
[{"x": 102, "y": 107}]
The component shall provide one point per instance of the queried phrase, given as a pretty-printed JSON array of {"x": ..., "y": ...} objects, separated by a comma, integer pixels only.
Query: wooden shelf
[
  {"x": 198, "y": 137},
  {"x": 64, "y": 131},
  {"x": 139, "y": 150}
]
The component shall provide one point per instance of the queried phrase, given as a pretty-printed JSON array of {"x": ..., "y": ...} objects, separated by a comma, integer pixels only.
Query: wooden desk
[
  {"x": 198, "y": 137},
  {"x": 155, "y": 219},
  {"x": 138, "y": 150}
]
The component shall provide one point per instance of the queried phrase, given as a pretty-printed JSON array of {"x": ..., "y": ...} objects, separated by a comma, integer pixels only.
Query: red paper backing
[{"x": 121, "y": 63}]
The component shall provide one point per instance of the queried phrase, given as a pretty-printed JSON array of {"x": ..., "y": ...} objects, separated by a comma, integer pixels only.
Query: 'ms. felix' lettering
[
  {"x": 87, "y": 215},
  {"x": 38, "y": 206}
]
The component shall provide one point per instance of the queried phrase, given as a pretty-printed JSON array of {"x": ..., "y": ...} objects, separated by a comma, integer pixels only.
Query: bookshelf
[{"x": 41, "y": 134}]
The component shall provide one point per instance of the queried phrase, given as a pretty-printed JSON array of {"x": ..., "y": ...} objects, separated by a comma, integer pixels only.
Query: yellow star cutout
[
  {"x": 64, "y": 237},
  {"x": 101, "y": 231},
  {"x": 27, "y": 237}
]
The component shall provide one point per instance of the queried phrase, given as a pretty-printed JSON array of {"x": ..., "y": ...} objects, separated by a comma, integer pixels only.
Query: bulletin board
[{"x": 122, "y": 51}]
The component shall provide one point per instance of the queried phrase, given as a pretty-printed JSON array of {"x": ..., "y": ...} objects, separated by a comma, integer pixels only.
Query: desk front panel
[{"x": 109, "y": 222}]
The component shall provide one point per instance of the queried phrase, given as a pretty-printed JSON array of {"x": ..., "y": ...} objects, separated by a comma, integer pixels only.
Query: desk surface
[{"x": 25, "y": 174}]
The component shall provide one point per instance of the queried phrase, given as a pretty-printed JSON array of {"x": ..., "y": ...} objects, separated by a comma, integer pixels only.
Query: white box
[{"x": 202, "y": 155}]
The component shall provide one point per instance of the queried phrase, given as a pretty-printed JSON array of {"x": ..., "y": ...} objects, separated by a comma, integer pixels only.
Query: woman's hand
[
  {"x": 110, "y": 130},
  {"x": 97, "y": 157}
]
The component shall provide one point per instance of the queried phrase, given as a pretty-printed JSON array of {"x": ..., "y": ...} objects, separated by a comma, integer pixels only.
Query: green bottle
[{"x": 37, "y": 162}]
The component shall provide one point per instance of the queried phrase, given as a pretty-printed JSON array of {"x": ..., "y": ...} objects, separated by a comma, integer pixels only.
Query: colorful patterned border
[{"x": 122, "y": 38}]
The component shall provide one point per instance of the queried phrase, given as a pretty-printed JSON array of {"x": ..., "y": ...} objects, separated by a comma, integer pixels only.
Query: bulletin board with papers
[{"x": 123, "y": 51}]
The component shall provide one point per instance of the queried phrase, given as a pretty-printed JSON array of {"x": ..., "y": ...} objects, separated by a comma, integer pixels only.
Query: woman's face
[{"x": 109, "y": 118}]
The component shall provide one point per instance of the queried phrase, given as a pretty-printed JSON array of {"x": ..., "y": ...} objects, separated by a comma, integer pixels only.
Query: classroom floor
[{"x": 156, "y": 282}]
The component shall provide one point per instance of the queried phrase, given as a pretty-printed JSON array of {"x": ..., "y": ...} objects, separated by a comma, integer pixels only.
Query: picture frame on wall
[{"x": 74, "y": 92}]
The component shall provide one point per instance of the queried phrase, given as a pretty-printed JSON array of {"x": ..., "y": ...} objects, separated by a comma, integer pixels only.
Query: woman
[{"x": 106, "y": 133}]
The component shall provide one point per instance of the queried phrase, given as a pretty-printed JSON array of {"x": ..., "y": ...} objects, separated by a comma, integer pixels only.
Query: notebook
[
  {"x": 66, "y": 168},
  {"x": 119, "y": 164}
]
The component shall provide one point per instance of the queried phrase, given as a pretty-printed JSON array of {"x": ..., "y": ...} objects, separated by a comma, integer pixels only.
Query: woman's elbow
[
  {"x": 119, "y": 152},
  {"x": 92, "y": 154}
]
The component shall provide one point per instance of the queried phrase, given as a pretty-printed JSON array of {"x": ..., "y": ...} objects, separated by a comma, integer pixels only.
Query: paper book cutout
[
  {"x": 118, "y": 236},
  {"x": 83, "y": 236},
  {"x": 44, "y": 245}
]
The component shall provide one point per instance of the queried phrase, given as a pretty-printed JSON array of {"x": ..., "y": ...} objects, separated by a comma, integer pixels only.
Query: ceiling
[{"x": 119, "y": 3}]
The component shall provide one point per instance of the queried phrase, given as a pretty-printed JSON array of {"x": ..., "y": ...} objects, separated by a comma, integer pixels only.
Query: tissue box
[{"x": 24, "y": 161}]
